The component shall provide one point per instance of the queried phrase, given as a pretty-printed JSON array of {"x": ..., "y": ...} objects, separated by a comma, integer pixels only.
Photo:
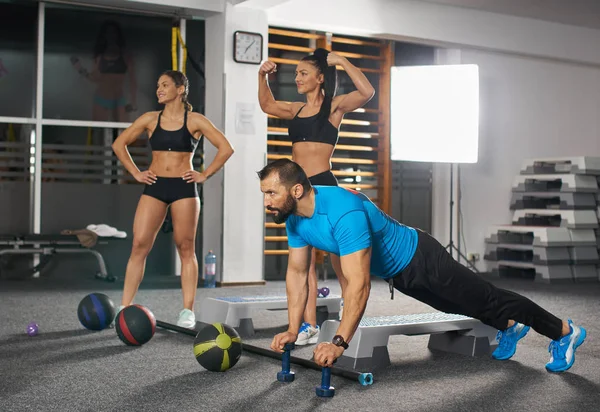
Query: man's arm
[
  {"x": 356, "y": 272},
  {"x": 353, "y": 235},
  {"x": 296, "y": 283}
]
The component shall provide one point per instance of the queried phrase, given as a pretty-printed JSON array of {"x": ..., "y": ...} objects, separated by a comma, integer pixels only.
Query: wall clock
[{"x": 247, "y": 47}]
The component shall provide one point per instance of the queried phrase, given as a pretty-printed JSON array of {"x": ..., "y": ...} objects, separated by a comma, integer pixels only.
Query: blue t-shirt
[{"x": 346, "y": 221}]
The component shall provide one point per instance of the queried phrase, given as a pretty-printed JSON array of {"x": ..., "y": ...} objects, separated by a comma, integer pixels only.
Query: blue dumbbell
[
  {"x": 325, "y": 390},
  {"x": 285, "y": 375}
]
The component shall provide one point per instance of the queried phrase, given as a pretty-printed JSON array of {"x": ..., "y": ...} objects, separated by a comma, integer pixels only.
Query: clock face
[{"x": 247, "y": 47}]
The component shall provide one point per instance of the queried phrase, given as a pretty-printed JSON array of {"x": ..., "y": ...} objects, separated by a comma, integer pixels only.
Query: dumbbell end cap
[
  {"x": 286, "y": 376},
  {"x": 365, "y": 379},
  {"x": 325, "y": 392}
]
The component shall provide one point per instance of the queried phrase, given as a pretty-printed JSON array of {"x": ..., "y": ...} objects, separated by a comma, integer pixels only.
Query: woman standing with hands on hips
[
  {"x": 171, "y": 181},
  {"x": 313, "y": 128}
]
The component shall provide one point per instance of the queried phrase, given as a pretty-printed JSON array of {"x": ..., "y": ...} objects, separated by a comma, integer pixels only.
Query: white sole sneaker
[
  {"x": 187, "y": 319},
  {"x": 305, "y": 340}
]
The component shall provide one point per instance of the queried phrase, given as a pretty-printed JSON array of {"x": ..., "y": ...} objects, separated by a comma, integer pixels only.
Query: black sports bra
[
  {"x": 301, "y": 130},
  {"x": 173, "y": 140}
]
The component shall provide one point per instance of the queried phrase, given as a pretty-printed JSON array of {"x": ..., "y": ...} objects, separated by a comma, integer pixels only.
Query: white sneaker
[
  {"x": 187, "y": 319},
  {"x": 308, "y": 334}
]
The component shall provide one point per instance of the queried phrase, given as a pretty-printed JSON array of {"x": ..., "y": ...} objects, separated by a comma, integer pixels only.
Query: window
[
  {"x": 102, "y": 66},
  {"x": 14, "y": 177},
  {"x": 18, "y": 40}
]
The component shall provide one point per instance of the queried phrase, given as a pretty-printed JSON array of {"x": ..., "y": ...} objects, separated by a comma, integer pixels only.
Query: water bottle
[
  {"x": 341, "y": 309},
  {"x": 210, "y": 269}
]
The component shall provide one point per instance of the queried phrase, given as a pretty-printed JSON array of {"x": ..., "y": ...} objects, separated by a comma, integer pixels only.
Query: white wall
[
  {"x": 427, "y": 22},
  {"x": 529, "y": 108},
  {"x": 233, "y": 207}
]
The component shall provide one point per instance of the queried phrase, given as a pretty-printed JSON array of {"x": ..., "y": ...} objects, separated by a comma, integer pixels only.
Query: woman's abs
[
  {"x": 313, "y": 158},
  {"x": 171, "y": 164}
]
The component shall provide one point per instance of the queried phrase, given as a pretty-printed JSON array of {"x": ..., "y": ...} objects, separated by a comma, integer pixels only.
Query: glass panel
[
  {"x": 102, "y": 66},
  {"x": 14, "y": 177},
  {"x": 18, "y": 42},
  {"x": 83, "y": 183},
  {"x": 84, "y": 155}
]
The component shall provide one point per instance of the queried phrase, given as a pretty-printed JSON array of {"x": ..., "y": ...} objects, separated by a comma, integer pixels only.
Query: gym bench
[
  {"x": 449, "y": 333},
  {"x": 47, "y": 246}
]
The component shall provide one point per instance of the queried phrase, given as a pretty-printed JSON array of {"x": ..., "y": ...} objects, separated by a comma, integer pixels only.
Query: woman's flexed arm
[
  {"x": 364, "y": 90},
  {"x": 268, "y": 104}
]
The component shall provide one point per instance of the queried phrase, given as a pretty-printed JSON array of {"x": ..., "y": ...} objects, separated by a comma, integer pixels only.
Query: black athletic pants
[{"x": 435, "y": 278}]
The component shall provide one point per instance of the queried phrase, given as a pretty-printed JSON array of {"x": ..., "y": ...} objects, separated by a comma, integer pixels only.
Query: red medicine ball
[{"x": 135, "y": 325}]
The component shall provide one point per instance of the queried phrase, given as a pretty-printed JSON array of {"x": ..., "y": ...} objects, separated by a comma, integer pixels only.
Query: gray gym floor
[{"x": 66, "y": 368}]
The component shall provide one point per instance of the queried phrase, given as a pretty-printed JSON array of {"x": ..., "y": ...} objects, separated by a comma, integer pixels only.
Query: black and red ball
[{"x": 135, "y": 325}]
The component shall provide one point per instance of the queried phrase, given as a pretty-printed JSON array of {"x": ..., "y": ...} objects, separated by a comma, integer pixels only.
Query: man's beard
[{"x": 288, "y": 208}]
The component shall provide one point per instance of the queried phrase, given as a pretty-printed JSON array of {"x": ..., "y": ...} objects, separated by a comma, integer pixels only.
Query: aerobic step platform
[
  {"x": 448, "y": 332},
  {"x": 540, "y": 235},
  {"x": 585, "y": 165},
  {"x": 543, "y": 273},
  {"x": 553, "y": 200},
  {"x": 555, "y": 183},
  {"x": 237, "y": 311},
  {"x": 572, "y": 219},
  {"x": 561, "y": 255}
]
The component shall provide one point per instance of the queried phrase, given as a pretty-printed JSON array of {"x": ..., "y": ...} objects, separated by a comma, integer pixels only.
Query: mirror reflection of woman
[{"x": 113, "y": 66}]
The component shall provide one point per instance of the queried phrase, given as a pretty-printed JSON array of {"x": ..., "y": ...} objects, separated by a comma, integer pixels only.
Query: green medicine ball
[{"x": 217, "y": 347}]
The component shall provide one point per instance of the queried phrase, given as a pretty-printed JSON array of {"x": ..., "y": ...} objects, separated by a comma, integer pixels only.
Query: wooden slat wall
[{"x": 361, "y": 160}]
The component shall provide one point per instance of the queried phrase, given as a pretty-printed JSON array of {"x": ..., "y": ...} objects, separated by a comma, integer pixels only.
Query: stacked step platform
[{"x": 554, "y": 235}]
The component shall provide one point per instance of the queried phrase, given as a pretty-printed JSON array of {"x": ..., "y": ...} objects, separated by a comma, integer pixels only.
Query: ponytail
[
  {"x": 329, "y": 85},
  {"x": 188, "y": 106}
]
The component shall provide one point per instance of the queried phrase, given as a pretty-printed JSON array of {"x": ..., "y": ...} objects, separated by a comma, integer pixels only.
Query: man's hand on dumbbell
[{"x": 326, "y": 353}]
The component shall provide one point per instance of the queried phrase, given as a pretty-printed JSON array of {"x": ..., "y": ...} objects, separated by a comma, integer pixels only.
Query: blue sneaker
[
  {"x": 563, "y": 350},
  {"x": 507, "y": 341},
  {"x": 308, "y": 334}
]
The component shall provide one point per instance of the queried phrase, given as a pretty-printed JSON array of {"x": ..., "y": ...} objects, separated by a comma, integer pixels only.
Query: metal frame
[
  {"x": 52, "y": 248},
  {"x": 36, "y": 138},
  {"x": 84, "y": 123},
  {"x": 18, "y": 120}
]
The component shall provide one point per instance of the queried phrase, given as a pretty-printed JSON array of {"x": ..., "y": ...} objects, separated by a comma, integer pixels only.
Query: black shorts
[
  {"x": 171, "y": 189},
  {"x": 325, "y": 178}
]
